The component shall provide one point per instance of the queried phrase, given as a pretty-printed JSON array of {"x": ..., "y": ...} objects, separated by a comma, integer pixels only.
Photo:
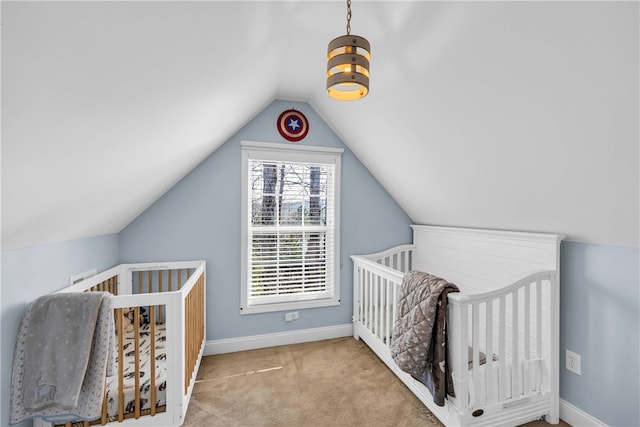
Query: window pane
[
  {"x": 286, "y": 262},
  {"x": 316, "y": 211},
  {"x": 288, "y": 193},
  {"x": 290, "y": 210}
]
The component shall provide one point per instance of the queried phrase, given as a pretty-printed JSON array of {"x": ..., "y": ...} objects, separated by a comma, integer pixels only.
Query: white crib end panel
[{"x": 482, "y": 259}]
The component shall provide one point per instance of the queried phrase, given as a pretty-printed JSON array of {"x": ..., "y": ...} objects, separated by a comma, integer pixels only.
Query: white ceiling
[{"x": 513, "y": 115}]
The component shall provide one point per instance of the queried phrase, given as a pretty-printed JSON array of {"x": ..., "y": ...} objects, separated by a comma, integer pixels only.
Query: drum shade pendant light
[{"x": 348, "y": 65}]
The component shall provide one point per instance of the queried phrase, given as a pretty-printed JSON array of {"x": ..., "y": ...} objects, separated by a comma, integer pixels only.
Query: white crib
[
  {"x": 155, "y": 386},
  {"x": 508, "y": 309}
]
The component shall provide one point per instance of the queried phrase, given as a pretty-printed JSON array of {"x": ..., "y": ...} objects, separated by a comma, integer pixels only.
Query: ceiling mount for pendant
[{"x": 348, "y": 65}]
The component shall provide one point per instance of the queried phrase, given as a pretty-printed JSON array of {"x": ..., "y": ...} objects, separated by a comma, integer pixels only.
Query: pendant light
[{"x": 348, "y": 65}]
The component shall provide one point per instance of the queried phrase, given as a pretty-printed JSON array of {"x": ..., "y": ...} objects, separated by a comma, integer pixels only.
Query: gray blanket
[
  {"x": 63, "y": 353},
  {"x": 419, "y": 344}
]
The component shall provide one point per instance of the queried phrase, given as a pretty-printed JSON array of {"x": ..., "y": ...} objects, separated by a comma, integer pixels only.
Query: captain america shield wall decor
[{"x": 293, "y": 125}]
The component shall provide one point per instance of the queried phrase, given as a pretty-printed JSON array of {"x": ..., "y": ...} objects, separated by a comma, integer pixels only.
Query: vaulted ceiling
[{"x": 513, "y": 115}]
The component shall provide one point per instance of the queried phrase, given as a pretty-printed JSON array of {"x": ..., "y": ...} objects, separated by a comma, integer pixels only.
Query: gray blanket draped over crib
[
  {"x": 419, "y": 344},
  {"x": 64, "y": 351}
]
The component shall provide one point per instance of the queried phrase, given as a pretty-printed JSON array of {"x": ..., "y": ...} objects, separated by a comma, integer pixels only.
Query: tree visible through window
[{"x": 291, "y": 231}]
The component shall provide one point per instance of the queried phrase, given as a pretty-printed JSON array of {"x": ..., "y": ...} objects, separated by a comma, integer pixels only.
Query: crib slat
[
  {"x": 139, "y": 282},
  {"x": 369, "y": 299},
  {"x": 374, "y": 304},
  {"x": 150, "y": 284},
  {"x": 152, "y": 361},
  {"x": 136, "y": 340},
  {"x": 160, "y": 289},
  {"x": 387, "y": 313},
  {"x": 381, "y": 318},
  {"x": 515, "y": 378},
  {"x": 502, "y": 354},
  {"x": 120, "y": 326},
  {"x": 361, "y": 274},
  {"x": 539, "y": 319},
  {"x": 192, "y": 333},
  {"x": 357, "y": 284},
  {"x": 380, "y": 284},
  {"x": 527, "y": 339},
  {"x": 188, "y": 337},
  {"x": 372, "y": 293},
  {"x": 365, "y": 299},
  {"x": 475, "y": 345},
  {"x": 380, "y": 310},
  {"x": 491, "y": 395},
  {"x": 394, "y": 303},
  {"x": 103, "y": 418},
  {"x": 365, "y": 294}
]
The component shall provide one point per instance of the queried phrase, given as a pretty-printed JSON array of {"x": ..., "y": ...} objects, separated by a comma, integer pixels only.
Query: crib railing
[
  {"x": 397, "y": 258},
  {"x": 509, "y": 331},
  {"x": 376, "y": 282},
  {"x": 152, "y": 289},
  {"x": 509, "y": 334}
]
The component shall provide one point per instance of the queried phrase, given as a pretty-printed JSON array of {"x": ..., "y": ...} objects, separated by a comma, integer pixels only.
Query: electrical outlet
[
  {"x": 572, "y": 362},
  {"x": 290, "y": 317}
]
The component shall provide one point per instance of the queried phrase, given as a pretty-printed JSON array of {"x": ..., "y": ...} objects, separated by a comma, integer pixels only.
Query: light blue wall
[
  {"x": 31, "y": 272},
  {"x": 200, "y": 219},
  {"x": 600, "y": 320}
]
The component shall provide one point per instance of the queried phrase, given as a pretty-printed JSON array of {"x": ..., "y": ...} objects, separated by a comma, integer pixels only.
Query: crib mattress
[{"x": 145, "y": 370}]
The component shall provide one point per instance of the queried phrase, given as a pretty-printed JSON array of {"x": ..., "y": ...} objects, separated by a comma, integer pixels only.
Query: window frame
[{"x": 287, "y": 153}]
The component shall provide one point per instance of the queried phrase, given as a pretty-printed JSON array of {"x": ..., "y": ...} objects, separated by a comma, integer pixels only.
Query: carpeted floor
[{"x": 337, "y": 382}]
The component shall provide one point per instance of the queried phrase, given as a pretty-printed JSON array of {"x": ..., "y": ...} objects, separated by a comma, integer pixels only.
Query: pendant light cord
[{"x": 348, "y": 17}]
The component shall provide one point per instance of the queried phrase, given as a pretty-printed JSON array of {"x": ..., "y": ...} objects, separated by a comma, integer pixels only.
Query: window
[{"x": 290, "y": 231}]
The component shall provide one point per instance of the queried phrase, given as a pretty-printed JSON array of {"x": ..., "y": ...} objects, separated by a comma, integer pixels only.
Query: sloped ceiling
[{"x": 513, "y": 115}]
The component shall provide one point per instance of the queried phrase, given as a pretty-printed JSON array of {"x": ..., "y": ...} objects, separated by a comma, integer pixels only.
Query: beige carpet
[{"x": 337, "y": 382}]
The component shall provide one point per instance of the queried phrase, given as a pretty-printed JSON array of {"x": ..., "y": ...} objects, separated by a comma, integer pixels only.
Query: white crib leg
[
  {"x": 552, "y": 419},
  {"x": 357, "y": 283}
]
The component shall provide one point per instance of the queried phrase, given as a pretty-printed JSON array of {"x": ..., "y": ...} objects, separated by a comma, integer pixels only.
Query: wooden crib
[
  {"x": 159, "y": 312},
  {"x": 507, "y": 309}
]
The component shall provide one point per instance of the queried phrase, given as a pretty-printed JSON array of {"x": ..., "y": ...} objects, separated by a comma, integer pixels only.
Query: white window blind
[{"x": 291, "y": 238}]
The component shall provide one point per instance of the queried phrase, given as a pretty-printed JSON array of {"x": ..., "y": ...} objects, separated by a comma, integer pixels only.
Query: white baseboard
[
  {"x": 577, "y": 417},
  {"x": 252, "y": 342}
]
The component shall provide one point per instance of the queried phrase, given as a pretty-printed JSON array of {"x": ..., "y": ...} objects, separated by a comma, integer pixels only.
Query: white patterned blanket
[{"x": 63, "y": 352}]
